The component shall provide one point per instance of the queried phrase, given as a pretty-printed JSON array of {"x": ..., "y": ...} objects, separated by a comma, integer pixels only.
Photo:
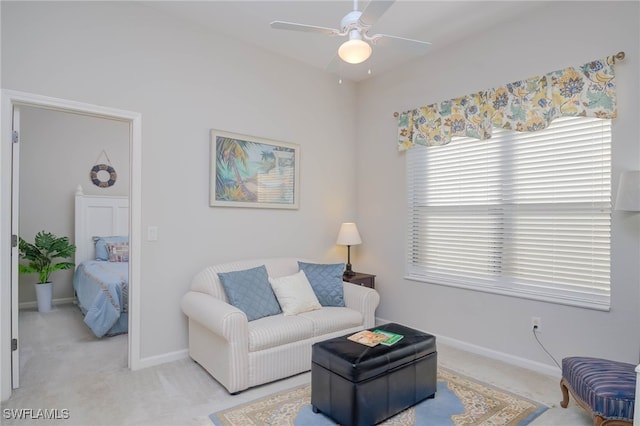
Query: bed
[{"x": 101, "y": 277}]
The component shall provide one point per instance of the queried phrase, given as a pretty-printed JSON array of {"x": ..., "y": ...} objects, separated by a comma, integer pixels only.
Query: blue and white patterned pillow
[
  {"x": 326, "y": 281},
  {"x": 102, "y": 252},
  {"x": 250, "y": 291},
  {"x": 118, "y": 252}
]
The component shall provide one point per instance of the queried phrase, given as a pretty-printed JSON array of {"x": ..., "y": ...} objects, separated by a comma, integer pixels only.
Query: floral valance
[{"x": 525, "y": 105}]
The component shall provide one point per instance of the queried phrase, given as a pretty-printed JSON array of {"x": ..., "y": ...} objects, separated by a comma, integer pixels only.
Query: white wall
[
  {"x": 57, "y": 151},
  {"x": 545, "y": 40},
  {"x": 185, "y": 81}
]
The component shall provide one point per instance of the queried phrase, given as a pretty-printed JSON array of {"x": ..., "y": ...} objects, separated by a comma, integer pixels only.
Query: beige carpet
[
  {"x": 460, "y": 400},
  {"x": 64, "y": 367}
]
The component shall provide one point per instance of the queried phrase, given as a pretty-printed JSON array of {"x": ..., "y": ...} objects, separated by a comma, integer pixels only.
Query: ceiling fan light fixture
[
  {"x": 354, "y": 51},
  {"x": 356, "y": 24}
]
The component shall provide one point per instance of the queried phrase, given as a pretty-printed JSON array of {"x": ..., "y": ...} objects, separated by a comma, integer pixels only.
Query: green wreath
[{"x": 103, "y": 183}]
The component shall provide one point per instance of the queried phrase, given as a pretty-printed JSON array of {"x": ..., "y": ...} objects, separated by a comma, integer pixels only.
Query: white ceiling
[{"x": 440, "y": 22}]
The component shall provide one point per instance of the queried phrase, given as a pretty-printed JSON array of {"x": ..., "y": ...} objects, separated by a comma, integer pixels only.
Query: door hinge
[
  {"x": 15, "y": 136},
  {"x": 14, "y": 240},
  {"x": 14, "y": 344}
]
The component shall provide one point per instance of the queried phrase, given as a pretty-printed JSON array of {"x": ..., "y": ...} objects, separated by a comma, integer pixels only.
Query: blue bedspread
[{"x": 102, "y": 289}]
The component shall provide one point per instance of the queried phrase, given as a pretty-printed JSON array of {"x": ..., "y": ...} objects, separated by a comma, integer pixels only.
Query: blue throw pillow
[
  {"x": 102, "y": 252},
  {"x": 326, "y": 281},
  {"x": 250, "y": 291}
]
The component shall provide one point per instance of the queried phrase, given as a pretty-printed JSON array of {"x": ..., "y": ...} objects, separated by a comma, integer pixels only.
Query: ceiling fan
[{"x": 356, "y": 25}]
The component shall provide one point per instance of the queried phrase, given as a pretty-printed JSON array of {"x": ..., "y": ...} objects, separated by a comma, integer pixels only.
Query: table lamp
[{"x": 348, "y": 236}]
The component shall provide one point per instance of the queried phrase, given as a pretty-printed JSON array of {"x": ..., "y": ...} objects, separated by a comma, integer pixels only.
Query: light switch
[{"x": 152, "y": 233}]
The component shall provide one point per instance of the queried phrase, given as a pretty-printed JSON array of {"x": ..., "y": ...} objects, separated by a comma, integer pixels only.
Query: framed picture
[{"x": 253, "y": 172}]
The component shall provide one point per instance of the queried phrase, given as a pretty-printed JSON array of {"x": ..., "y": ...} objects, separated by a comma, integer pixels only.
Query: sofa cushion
[
  {"x": 294, "y": 294},
  {"x": 278, "y": 330},
  {"x": 326, "y": 281},
  {"x": 330, "y": 319},
  {"x": 249, "y": 290}
]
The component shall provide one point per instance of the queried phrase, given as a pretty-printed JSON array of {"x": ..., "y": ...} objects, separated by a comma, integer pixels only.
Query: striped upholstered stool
[{"x": 604, "y": 388}]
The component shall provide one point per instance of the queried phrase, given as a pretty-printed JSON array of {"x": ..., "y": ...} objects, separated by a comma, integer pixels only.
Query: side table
[{"x": 360, "y": 278}]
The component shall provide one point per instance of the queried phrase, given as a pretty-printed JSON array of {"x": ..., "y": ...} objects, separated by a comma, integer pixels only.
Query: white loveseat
[{"x": 241, "y": 354}]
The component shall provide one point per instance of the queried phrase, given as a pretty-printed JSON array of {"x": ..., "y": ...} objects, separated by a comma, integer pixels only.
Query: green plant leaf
[{"x": 40, "y": 255}]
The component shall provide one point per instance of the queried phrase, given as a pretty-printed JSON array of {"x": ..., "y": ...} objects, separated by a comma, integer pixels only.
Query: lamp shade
[
  {"x": 354, "y": 51},
  {"x": 348, "y": 235},
  {"x": 628, "y": 196}
]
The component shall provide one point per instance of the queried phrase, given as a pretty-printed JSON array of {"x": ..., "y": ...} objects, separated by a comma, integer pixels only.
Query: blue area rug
[{"x": 459, "y": 400}]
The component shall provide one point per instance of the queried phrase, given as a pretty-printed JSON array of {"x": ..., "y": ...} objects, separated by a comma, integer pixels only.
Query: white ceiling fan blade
[
  {"x": 281, "y": 25},
  {"x": 374, "y": 10},
  {"x": 400, "y": 42}
]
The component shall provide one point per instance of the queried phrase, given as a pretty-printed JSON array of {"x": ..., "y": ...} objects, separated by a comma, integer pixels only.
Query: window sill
[{"x": 555, "y": 297}]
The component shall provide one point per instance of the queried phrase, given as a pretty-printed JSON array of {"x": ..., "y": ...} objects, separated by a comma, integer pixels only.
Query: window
[{"x": 521, "y": 214}]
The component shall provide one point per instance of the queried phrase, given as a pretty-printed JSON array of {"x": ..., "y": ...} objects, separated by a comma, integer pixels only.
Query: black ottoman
[{"x": 358, "y": 385}]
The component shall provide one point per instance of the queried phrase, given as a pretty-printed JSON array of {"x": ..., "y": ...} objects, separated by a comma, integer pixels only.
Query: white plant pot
[{"x": 44, "y": 295}]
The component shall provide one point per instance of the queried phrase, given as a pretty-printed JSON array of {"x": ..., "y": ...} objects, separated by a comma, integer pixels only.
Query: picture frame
[{"x": 248, "y": 171}]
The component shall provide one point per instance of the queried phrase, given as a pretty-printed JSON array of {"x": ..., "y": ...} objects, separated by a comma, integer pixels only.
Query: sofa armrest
[
  {"x": 362, "y": 299},
  {"x": 219, "y": 317}
]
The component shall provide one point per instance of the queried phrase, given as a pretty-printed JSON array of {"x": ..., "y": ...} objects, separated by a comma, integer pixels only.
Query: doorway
[{"x": 9, "y": 168}]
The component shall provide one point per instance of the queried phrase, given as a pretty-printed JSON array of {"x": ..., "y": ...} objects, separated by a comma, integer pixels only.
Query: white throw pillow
[{"x": 294, "y": 294}]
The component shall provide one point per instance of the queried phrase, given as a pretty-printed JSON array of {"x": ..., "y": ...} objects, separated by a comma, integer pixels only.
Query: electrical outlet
[{"x": 536, "y": 324}]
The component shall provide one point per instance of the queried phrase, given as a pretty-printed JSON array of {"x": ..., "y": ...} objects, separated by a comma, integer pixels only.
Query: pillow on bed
[
  {"x": 326, "y": 281},
  {"x": 102, "y": 252},
  {"x": 294, "y": 294},
  {"x": 249, "y": 290},
  {"x": 118, "y": 252}
]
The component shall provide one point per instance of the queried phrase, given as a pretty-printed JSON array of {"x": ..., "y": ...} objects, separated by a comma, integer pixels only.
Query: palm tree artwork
[{"x": 248, "y": 171}]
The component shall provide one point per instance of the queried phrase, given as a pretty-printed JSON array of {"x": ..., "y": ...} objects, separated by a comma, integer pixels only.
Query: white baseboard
[
  {"x": 161, "y": 359},
  {"x": 538, "y": 367},
  {"x": 34, "y": 304}
]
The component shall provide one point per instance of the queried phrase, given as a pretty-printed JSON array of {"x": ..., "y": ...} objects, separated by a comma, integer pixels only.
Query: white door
[
  {"x": 10, "y": 116},
  {"x": 15, "y": 162}
]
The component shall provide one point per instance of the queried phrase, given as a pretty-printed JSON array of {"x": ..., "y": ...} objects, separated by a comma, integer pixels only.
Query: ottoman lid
[{"x": 357, "y": 362}]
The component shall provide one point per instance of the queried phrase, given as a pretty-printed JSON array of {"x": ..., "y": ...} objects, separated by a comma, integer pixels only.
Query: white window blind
[{"x": 522, "y": 214}]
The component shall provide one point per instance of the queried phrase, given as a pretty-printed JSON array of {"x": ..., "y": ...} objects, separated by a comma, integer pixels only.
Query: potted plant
[{"x": 40, "y": 257}]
